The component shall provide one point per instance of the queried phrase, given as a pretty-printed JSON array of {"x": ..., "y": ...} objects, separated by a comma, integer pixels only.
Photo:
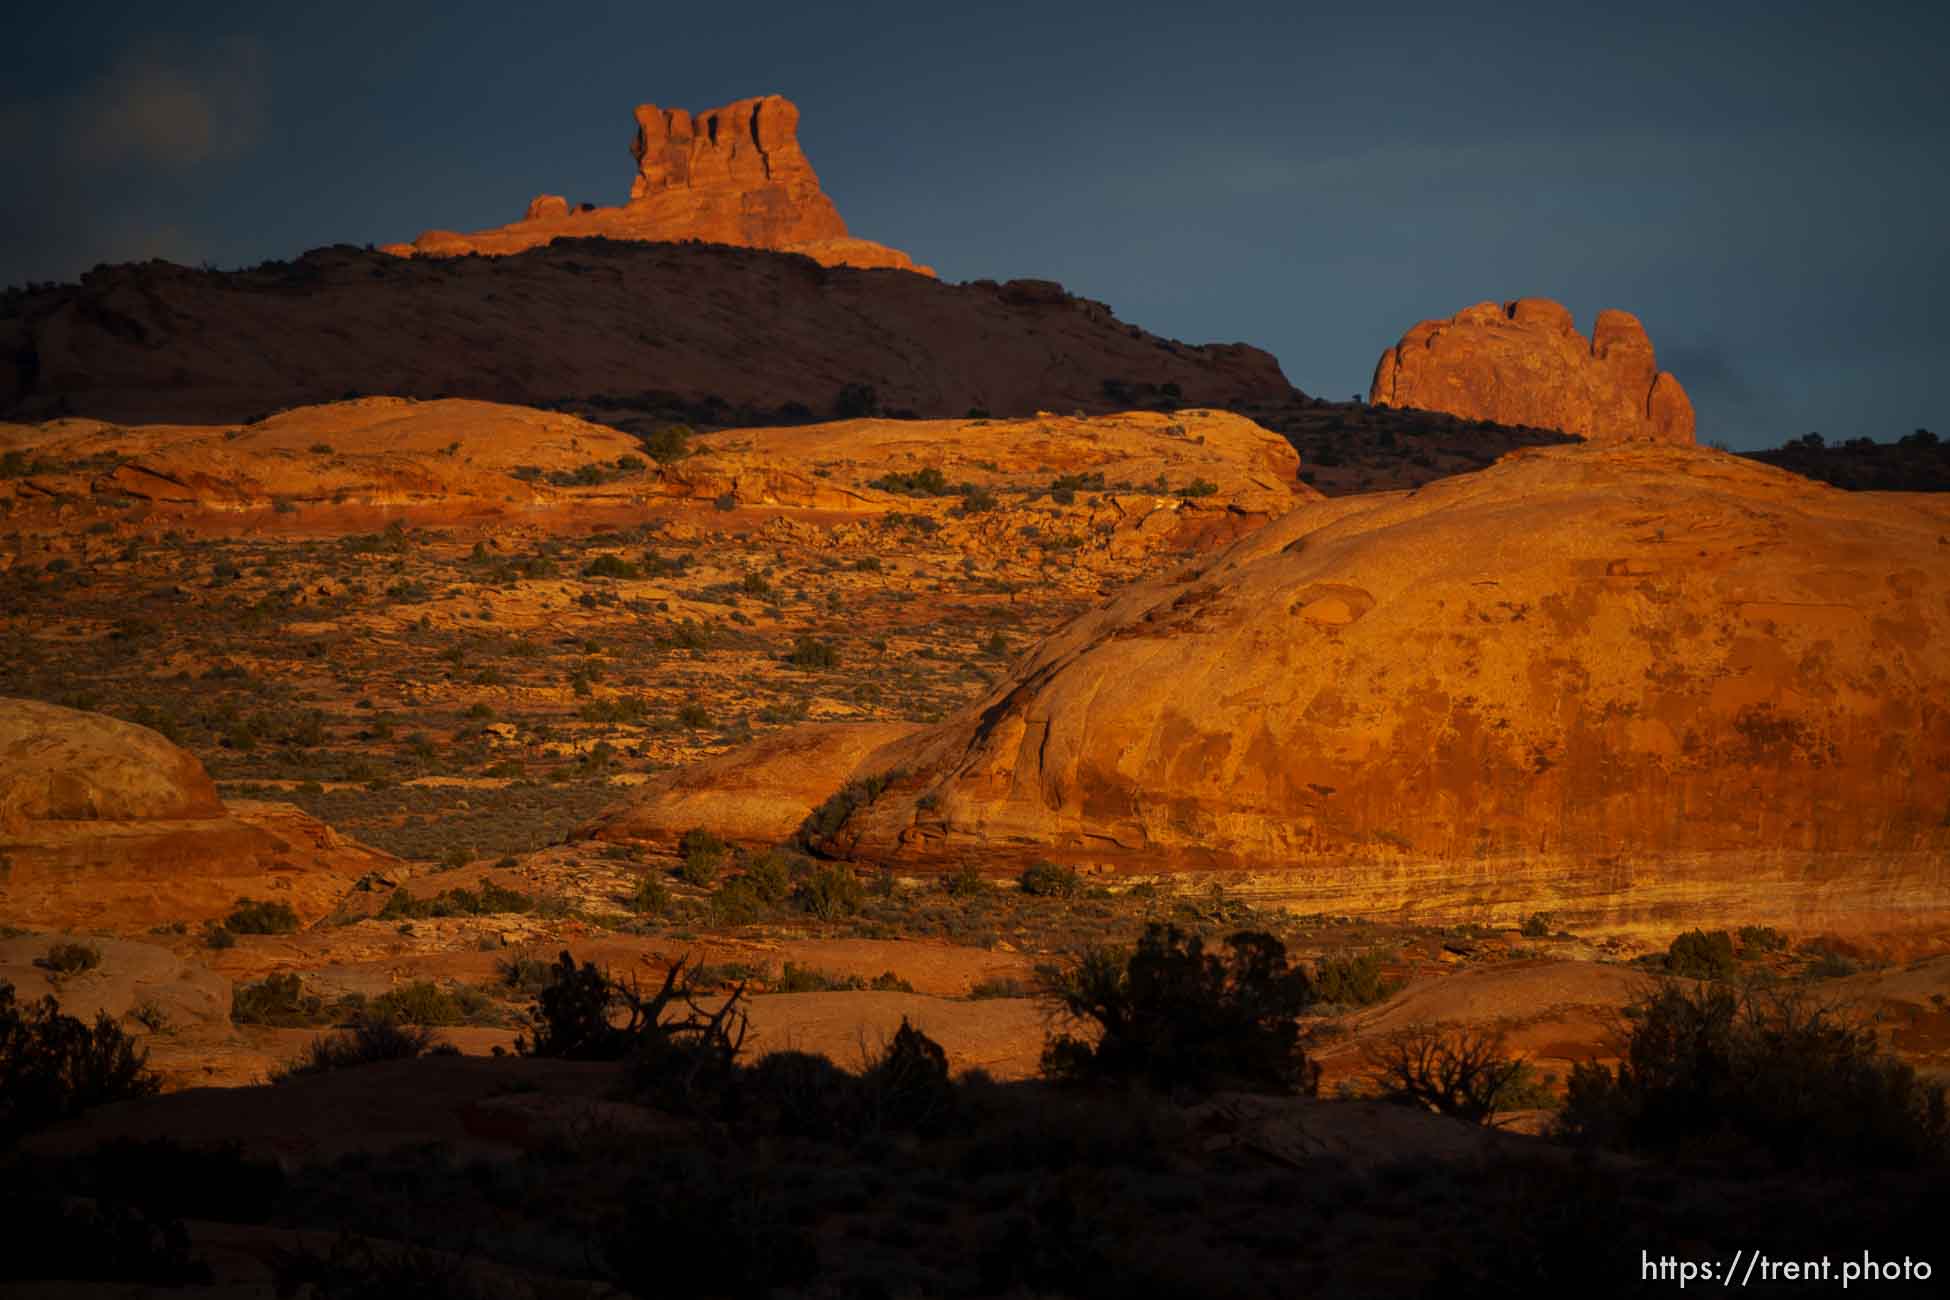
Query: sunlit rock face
[
  {"x": 731, "y": 175},
  {"x": 1525, "y": 363},
  {"x": 1631, "y": 683},
  {"x": 105, "y": 825}
]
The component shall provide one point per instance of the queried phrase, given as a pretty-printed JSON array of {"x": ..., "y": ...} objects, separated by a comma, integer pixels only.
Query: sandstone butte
[
  {"x": 743, "y": 335},
  {"x": 1525, "y": 363},
  {"x": 107, "y": 825},
  {"x": 1634, "y": 685},
  {"x": 479, "y": 460},
  {"x": 731, "y": 175}
]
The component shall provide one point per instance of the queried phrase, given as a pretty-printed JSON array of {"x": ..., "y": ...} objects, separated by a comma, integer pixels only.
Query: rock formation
[
  {"x": 106, "y": 825},
  {"x": 478, "y": 460},
  {"x": 728, "y": 331},
  {"x": 732, "y": 175},
  {"x": 1630, "y": 684},
  {"x": 1525, "y": 363}
]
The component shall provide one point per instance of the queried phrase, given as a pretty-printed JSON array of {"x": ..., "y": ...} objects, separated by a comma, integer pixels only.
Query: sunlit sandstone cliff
[{"x": 731, "y": 175}]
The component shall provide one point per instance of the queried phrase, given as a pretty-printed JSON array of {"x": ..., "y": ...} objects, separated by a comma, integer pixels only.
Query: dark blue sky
[{"x": 1766, "y": 185}]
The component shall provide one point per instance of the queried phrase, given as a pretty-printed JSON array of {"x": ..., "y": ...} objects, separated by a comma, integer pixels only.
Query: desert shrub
[
  {"x": 1199, "y": 487},
  {"x": 927, "y": 482},
  {"x": 609, "y": 566},
  {"x": 906, "y": 1087},
  {"x": 755, "y": 584},
  {"x": 798, "y": 1094},
  {"x": 1455, "y": 1071},
  {"x": 253, "y": 917},
  {"x": 738, "y": 902},
  {"x": 1005, "y": 986},
  {"x": 420, "y": 1003},
  {"x": 572, "y": 1016},
  {"x": 53, "y": 1065},
  {"x": 1825, "y": 962},
  {"x": 1536, "y": 926},
  {"x": 522, "y": 973},
  {"x": 680, "y": 1061},
  {"x": 1701, "y": 955},
  {"x": 1049, "y": 880},
  {"x": 670, "y": 443},
  {"x": 770, "y": 876},
  {"x": 1351, "y": 981},
  {"x": 623, "y": 708},
  {"x": 651, "y": 897},
  {"x": 489, "y": 900},
  {"x": 217, "y": 937},
  {"x": 964, "y": 881},
  {"x": 275, "y": 1000},
  {"x": 810, "y": 652},
  {"x": 830, "y": 893},
  {"x": 833, "y": 812},
  {"x": 1708, "y": 1069},
  {"x": 1173, "y": 1015},
  {"x": 70, "y": 958},
  {"x": 701, "y": 855},
  {"x": 368, "y": 1040},
  {"x": 855, "y": 401},
  {"x": 1761, "y": 939},
  {"x": 693, "y": 716},
  {"x": 794, "y": 978},
  {"x": 976, "y": 500}
]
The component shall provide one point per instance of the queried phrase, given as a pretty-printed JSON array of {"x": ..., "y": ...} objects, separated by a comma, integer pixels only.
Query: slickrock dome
[
  {"x": 1630, "y": 683},
  {"x": 1525, "y": 362},
  {"x": 107, "y": 825},
  {"x": 61, "y": 764}
]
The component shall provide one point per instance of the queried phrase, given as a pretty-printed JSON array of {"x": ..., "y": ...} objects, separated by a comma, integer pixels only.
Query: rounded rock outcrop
[
  {"x": 1525, "y": 363},
  {"x": 61, "y": 764},
  {"x": 107, "y": 826},
  {"x": 1629, "y": 684}
]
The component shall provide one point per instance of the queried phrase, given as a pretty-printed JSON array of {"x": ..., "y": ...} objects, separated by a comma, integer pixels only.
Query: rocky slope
[
  {"x": 108, "y": 825},
  {"x": 731, "y": 175},
  {"x": 740, "y": 335},
  {"x": 1525, "y": 363},
  {"x": 1630, "y": 684}
]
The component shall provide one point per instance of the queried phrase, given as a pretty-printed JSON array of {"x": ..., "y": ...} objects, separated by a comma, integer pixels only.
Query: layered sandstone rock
[
  {"x": 106, "y": 825},
  {"x": 1138, "y": 460},
  {"x": 731, "y": 175},
  {"x": 755, "y": 796},
  {"x": 1525, "y": 363},
  {"x": 469, "y": 457},
  {"x": 1629, "y": 684},
  {"x": 659, "y": 325},
  {"x": 466, "y": 459},
  {"x": 60, "y": 764}
]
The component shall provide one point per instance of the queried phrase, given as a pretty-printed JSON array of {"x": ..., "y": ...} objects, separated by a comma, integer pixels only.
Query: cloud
[{"x": 167, "y": 108}]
